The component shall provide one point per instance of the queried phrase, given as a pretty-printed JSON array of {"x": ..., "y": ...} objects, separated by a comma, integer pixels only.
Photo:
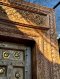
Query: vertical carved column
[{"x": 54, "y": 47}]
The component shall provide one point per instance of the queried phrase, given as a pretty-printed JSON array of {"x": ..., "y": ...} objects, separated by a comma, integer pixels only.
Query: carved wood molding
[
  {"x": 25, "y": 8},
  {"x": 9, "y": 22}
]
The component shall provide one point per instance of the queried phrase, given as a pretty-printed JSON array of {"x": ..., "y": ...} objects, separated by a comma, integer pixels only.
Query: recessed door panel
[{"x": 18, "y": 73}]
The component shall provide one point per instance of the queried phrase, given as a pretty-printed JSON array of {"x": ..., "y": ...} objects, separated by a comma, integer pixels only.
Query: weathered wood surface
[
  {"x": 15, "y": 59},
  {"x": 46, "y": 56}
]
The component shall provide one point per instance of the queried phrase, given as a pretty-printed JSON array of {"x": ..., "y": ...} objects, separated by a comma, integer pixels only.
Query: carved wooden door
[{"x": 15, "y": 61}]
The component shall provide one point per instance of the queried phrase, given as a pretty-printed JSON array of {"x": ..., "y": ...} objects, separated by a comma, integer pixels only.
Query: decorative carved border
[
  {"x": 9, "y": 22},
  {"x": 25, "y": 8}
]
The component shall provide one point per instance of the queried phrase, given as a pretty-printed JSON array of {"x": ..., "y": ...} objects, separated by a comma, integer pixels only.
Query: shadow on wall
[
  {"x": 46, "y": 68},
  {"x": 4, "y": 15}
]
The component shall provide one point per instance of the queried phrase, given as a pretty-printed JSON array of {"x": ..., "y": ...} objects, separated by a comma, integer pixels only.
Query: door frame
[{"x": 27, "y": 42}]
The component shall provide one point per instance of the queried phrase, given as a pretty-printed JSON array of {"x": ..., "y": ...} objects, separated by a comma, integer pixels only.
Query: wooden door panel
[
  {"x": 3, "y": 78},
  {"x": 15, "y": 61},
  {"x": 18, "y": 73}
]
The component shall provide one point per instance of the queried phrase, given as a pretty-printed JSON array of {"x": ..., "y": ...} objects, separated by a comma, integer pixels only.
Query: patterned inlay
[{"x": 13, "y": 55}]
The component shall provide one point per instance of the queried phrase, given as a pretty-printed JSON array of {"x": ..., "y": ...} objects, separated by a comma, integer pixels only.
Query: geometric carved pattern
[{"x": 25, "y": 17}]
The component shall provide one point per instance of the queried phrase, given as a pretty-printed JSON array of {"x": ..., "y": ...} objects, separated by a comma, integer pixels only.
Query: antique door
[{"x": 15, "y": 61}]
